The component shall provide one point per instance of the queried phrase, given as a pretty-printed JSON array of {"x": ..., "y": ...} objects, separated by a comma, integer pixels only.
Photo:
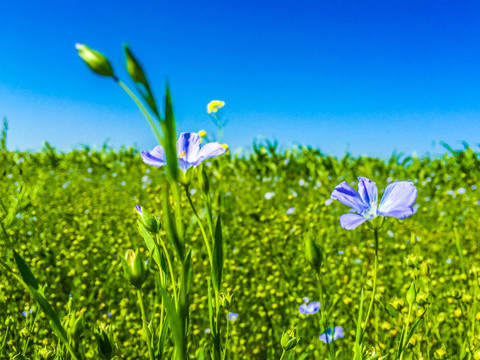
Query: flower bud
[
  {"x": 411, "y": 294},
  {"x": 106, "y": 347},
  {"x": 412, "y": 261},
  {"x": 313, "y": 254},
  {"x": 76, "y": 326},
  {"x": 440, "y": 354},
  {"x": 134, "y": 68},
  {"x": 47, "y": 353},
  {"x": 24, "y": 333},
  {"x": 9, "y": 321},
  {"x": 424, "y": 269},
  {"x": 95, "y": 60},
  {"x": 134, "y": 268},
  {"x": 422, "y": 298},
  {"x": 226, "y": 300},
  {"x": 289, "y": 340},
  {"x": 149, "y": 221}
]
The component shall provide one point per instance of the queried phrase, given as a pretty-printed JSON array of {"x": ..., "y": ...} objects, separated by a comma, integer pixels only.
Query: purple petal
[
  {"x": 398, "y": 199},
  {"x": 156, "y": 157},
  {"x": 208, "y": 151},
  {"x": 348, "y": 196},
  {"x": 188, "y": 146},
  {"x": 139, "y": 209},
  {"x": 183, "y": 165},
  {"x": 338, "y": 333},
  {"x": 351, "y": 221},
  {"x": 302, "y": 308},
  {"x": 367, "y": 190}
]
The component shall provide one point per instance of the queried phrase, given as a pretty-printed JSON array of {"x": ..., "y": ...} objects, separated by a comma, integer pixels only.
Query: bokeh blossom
[
  {"x": 397, "y": 201},
  {"x": 189, "y": 152},
  {"x": 309, "y": 309},
  {"x": 331, "y": 334},
  {"x": 232, "y": 316},
  {"x": 214, "y": 105}
]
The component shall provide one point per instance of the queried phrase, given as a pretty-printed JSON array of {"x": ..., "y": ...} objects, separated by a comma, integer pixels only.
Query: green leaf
[
  {"x": 217, "y": 268},
  {"x": 25, "y": 271},
  {"x": 414, "y": 327},
  {"x": 152, "y": 246},
  {"x": 170, "y": 136},
  {"x": 188, "y": 266},
  {"x": 171, "y": 227},
  {"x": 174, "y": 320}
]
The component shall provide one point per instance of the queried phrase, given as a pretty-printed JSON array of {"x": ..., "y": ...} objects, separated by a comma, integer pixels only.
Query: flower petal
[
  {"x": 188, "y": 147},
  {"x": 398, "y": 199},
  {"x": 208, "y": 151},
  {"x": 338, "y": 333},
  {"x": 351, "y": 221},
  {"x": 367, "y": 190},
  {"x": 347, "y": 195},
  {"x": 156, "y": 157}
]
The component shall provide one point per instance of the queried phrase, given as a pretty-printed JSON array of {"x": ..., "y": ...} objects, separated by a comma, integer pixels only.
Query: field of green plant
[
  {"x": 191, "y": 252},
  {"x": 72, "y": 217}
]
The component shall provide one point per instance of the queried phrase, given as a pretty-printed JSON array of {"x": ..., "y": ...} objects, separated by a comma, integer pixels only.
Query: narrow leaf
[{"x": 217, "y": 268}]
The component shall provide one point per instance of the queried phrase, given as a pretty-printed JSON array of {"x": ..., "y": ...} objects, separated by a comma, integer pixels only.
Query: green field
[{"x": 71, "y": 217}]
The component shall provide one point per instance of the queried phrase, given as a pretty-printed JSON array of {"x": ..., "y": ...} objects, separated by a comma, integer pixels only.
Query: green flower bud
[
  {"x": 9, "y": 321},
  {"x": 411, "y": 294},
  {"x": 226, "y": 300},
  {"x": 47, "y": 353},
  {"x": 106, "y": 347},
  {"x": 134, "y": 68},
  {"x": 24, "y": 333},
  {"x": 412, "y": 261},
  {"x": 289, "y": 340},
  {"x": 134, "y": 268},
  {"x": 440, "y": 354},
  {"x": 424, "y": 269},
  {"x": 76, "y": 326},
  {"x": 95, "y": 60},
  {"x": 149, "y": 221},
  {"x": 422, "y": 298},
  {"x": 313, "y": 254}
]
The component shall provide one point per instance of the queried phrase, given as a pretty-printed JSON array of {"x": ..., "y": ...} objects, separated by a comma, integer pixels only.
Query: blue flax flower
[
  {"x": 309, "y": 309},
  {"x": 397, "y": 201},
  {"x": 189, "y": 152},
  {"x": 232, "y": 316},
  {"x": 331, "y": 334}
]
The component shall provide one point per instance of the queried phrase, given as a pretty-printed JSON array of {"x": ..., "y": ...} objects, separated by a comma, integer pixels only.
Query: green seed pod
[
  {"x": 95, "y": 60},
  {"x": 134, "y": 268},
  {"x": 411, "y": 294},
  {"x": 412, "y": 261},
  {"x": 313, "y": 254},
  {"x": 289, "y": 340},
  {"x": 105, "y": 344}
]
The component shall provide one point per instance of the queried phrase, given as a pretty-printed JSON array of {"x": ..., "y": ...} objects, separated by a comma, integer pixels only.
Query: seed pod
[
  {"x": 313, "y": 254},
  {"x": 289, "y": 340},
  {"x": 411, "y": 294},
  {"x": 149, "y": 221},
  {"x": 106, "y": 347},
  {"x": 134, "y": 268}
]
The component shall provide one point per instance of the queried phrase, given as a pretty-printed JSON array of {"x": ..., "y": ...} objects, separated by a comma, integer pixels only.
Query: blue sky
[{"x": 368, "y": 76}]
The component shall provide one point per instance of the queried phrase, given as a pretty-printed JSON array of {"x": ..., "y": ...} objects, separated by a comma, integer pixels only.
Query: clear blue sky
[{"x": 375, "y": 76}]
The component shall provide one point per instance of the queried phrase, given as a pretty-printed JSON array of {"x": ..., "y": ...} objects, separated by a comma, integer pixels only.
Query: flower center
[{"x": 182, "y": 154}]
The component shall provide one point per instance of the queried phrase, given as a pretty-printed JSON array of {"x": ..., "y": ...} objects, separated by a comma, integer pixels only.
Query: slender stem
[
  {"x": 283, "y": 354},
  {"x": 170, "y": 269},
  {"x": 202, "y": 229},
  {"x": 142, "y": 109},
  {"x": 475, "y": 287},
  {"x": 4, "y": 340},
  {"x": 216, "y": 345},
  {"x": 374, "y": 284},
  {"x": 226, "y": 340},
  {"x": 183, "y": 307},
  {"x": 145, "y": 326},
  {"x": 406, "y": 330}
]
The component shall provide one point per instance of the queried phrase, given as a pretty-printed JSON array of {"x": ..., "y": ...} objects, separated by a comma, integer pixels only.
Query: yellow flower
[{"x": 214, "y": 105}]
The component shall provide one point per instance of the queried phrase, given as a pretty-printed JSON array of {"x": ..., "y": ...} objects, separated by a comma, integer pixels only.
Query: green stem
[
  {"x": 183, "y": 310},
  {"x": 226, "y": 340},
  {"x": 142, "y": 109},
  {"x": 4, "y": 340},
  {"x": 374, "y": 284},
  {"x": 145, "y": 326},
  {"x": 170, "y": 270},
  {"x": 406, "y": 330},
  {"x": 283, "y": 354},
  {"x": 216, "y": 345}
]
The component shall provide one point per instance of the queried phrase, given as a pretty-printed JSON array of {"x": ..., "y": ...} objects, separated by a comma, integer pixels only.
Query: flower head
[
  {"x": 397, "y": 201},
  {"x": 331, "y": 334},
  {"x": 232, "y": 316},
  {"x": 309, "y": 309},
  {"x": 214, "y": 105},
  {"x": 189, "y": 152}
]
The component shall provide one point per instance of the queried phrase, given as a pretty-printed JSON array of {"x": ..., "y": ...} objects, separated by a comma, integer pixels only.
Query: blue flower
[
  {"x": 189, "y": 152},
  {"x": 232, "y": 316},
  {"x": 309, "y": 309},
  {"x": 24, "y": 314},
  {"x": 327, "y": 336},
  {"x": 397, "y": 201}
]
